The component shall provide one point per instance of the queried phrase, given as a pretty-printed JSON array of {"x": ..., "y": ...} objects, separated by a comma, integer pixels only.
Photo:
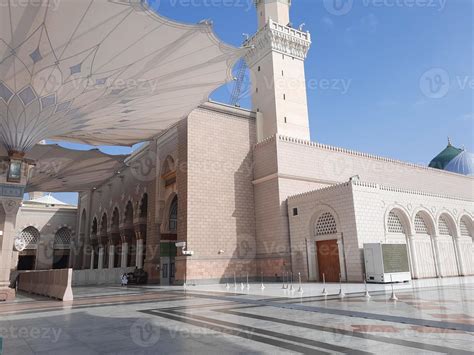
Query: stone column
[
  {"x": 92, "y": 258},
  {"x": 111, "y": 256},
  {"x": 139, "y": 255},
  {"x": 45, "y": 252},
  {"x": 8, "y": 212},
  {"x": 124, "y": 256},
  {"x": 437, "y": 255},
  {"x": 86, "y": 256},
  {"x": 459, "y": 256},
  {"x": 413, "y": 257},
  {"x": 101, "y": 257}
]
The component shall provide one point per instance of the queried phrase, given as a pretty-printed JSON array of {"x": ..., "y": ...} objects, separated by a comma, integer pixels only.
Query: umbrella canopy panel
[
  {"x": 101, "y": 72},
  {"x": 59, "y": 169}
]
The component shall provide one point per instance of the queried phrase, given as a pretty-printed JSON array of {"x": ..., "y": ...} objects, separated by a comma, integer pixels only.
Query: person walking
[{"x": 124, "y": 280}]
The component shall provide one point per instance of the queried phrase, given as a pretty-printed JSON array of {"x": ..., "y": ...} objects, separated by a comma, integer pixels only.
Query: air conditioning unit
[{"x": 385, "y": 263}]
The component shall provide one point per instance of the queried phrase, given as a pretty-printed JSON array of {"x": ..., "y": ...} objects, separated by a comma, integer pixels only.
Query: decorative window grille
[
  {"x": 63, "y": 236},
  {"x": 464, "y": 230},
  {"x": 394, "y": 224},
  {"x": 31, "y": 237},
  {"x": 420, "y": 225},
  {"x": 443, "y": 226},
  {"x": 326, "y": 224}
]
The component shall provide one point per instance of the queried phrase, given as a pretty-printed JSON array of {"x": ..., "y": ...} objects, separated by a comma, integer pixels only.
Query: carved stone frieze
[{"x": 276, "y": 37}]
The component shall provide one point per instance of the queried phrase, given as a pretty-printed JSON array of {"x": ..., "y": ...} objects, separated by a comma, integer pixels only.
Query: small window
[
  {"x": 256, "y": 90},
  {"x": 295, "y": 211},
  {"x": 282, "y": 73},
  {"x": 283, "y": 56},
  {"x": 258, "y": 110},
  {"x": 259, "y": 68},
  {"x": 284, "y": 96},
  {"x": 285, "y": 120}
]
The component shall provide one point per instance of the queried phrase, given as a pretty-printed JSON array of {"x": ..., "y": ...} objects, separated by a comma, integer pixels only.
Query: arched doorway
[
  {"x": 423, "y": 246},
  {"x": 446, "y": 246},
  {"x": 168, "y": 246},
  {"x": 103, "y": 243},
  {"x": 94, "y": 240},
  {"x": 27, "y": 257},
  {"x": 466, "y": 242},
  {"x": 62, "y": 244},
  {"x": 114, "y": 239},
  {"x": 329, "y": 248},
  {"x": 398, "y": 232},
  {"x": 128, "y": 235},
  {"x": 142, "y": 231}
]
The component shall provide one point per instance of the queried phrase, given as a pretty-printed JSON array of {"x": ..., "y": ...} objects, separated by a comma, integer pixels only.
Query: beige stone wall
[
  {"x": 324, "y": 164},
  {"x": 338, "y": 201},
  {"x": 286, "y": 166},
  {"x": 220, "y": 221},
  {"x": 361, "y": 212},
  {"x": 47, "y": 220}
]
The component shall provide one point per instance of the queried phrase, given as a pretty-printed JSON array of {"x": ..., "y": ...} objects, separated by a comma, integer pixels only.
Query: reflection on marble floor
[{"x": 214, "y": 320}]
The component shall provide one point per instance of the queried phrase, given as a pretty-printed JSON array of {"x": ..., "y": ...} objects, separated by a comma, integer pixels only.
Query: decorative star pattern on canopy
[{"x": 101, "y": 72}]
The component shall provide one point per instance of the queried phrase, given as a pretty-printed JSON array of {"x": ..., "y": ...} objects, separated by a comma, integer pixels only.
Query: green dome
[{"x": 443, "y": 158}]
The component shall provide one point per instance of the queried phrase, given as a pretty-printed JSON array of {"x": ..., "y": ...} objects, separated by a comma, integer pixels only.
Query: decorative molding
[
  {"x": 11, "y": 207},
  {"x": 380, "y": 187},
  {"x": 277, "y": 38},
  {"x": 366, "y": 155},
  {"x": 12, "y": 191}
]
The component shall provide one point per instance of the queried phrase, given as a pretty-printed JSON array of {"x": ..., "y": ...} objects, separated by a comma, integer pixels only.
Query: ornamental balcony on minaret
[{"x": 276, "y": 61}]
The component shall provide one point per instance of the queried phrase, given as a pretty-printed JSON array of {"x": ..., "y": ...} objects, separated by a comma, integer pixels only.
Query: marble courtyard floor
[{"x": 430, "y": 316}]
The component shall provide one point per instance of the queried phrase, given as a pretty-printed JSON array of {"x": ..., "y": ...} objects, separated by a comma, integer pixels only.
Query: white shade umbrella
[
  {"x": 101, "y": 72},
  {"x": 58, "y": 169}
]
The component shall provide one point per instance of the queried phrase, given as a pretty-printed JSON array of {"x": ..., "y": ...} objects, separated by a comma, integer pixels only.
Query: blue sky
[{"x": 388, "y": 77}]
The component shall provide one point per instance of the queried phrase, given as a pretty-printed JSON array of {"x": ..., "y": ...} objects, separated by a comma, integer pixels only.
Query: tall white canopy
[
  {"x": 101, "y": 72},
  {"x": 59, "y": 169}
]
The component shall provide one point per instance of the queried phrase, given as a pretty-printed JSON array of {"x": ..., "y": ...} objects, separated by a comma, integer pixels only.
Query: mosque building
[
  {"x": 225, "y": 192},
  {"x": 229, "y": 191}
]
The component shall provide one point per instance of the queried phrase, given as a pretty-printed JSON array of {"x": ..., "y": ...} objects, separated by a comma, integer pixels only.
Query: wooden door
[{"x": 328, "y": 260}]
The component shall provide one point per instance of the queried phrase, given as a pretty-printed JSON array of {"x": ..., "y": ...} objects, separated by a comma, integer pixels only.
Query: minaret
[{"x": 276, "y": 62}]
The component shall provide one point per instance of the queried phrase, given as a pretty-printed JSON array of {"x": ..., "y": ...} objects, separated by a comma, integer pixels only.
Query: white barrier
[
  {"x": 90, "y": 277},
  {"x": 50, "y": 283}
]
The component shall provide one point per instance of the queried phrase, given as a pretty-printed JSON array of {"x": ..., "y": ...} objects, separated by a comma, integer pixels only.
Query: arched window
[
  {"x": 62, "y": 237},
  {"x": 94, "y": 226},
  {"x": 326, "y": 224},
  {"x": 394, "y": 224},
  {"x": 420, "y": 225},
  {"x": 31, "y": 237},
  {"x": 464, "y": 229},
  {"x": 128, "y": 216},
  {"x": 144, "y": 206},
  {"x": 103, "y": 225},
  {"x": 443, "y": 226},
  {"x": 115, "y": 219},
  {"x": 173, "y": 217}
]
